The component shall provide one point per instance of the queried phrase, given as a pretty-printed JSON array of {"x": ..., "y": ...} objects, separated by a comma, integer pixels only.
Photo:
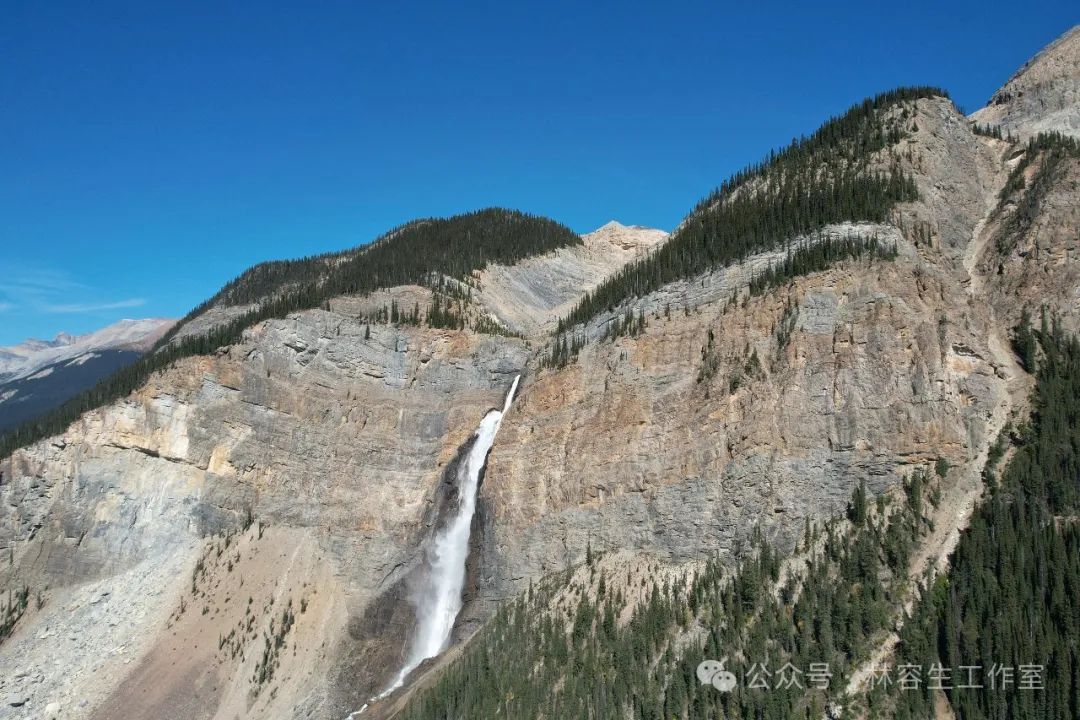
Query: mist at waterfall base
[{"x": 438, "y": 600}]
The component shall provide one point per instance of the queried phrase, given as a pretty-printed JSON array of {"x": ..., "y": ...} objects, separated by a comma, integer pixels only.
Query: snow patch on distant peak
[
  {"x": 84, "y": 358},
  {"x": 24, "y": 359}
]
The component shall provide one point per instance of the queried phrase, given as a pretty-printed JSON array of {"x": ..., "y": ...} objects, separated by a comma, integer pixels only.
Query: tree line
[
  {"x": 1009, "y": 598},
  {"x": 565, "y": 648},
  {"x": 1020, "y": 200},
  {"x": 817, "y": 180},
  {"x": 423, "y": 252},
  {"x": 562, "y": 649}
]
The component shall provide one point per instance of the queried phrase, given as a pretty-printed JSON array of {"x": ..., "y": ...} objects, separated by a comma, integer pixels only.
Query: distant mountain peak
[
  {"x": 616, "y": 226},
  {"x": 27, "y": 357},
  {"x": 626, "y": 236}
]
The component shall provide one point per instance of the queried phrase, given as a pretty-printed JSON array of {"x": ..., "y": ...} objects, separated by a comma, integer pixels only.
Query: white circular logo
[{"x": 712, "y": 672}]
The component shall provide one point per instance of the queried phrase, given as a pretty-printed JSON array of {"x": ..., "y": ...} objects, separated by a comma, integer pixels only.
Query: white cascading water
[{"x": 439, "y": 600}]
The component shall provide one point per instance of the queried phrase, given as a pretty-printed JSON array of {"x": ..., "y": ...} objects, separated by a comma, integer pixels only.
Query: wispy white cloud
[
  {"x": 37, "y": 282},
  {"x": 93, "y": 307},
  {"x": 39, "y": 293}
]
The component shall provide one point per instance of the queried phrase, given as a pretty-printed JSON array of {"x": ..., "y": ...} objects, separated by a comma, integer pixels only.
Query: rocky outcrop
[
  {"x": 1043, "y": 95},
  {"x": 956, "y": 172},
  {"x": 309, "y": 428},
  {"x": 864, "y": 372},
  {"x": 530, "y": 296},
  {"x": 1034, "y": 264},
  {"x": 211, "y": 318},
  {"x": 853, "y": 374}
]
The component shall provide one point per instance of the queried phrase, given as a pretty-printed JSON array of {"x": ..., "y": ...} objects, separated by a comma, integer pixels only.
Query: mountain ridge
[
  {"x": 38, "y": 376},
  {"x": 1043, "y": 95},
  {"x": 306, "y": 461},
  {"x": 23, "y": 359}
]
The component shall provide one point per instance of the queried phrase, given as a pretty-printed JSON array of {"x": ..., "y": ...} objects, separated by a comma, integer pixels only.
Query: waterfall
[{"x": 439, "y": 598}]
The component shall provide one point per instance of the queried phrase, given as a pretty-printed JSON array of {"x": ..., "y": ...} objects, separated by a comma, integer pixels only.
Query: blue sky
[{"x": 150, "y": 152}]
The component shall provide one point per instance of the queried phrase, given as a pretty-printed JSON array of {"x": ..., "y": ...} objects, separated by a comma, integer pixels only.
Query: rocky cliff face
[
  {"x": 1043, "y": 95},
  {"x": 237, "y": 538},
  {"x": 530, "y": 296},
  {"x": 1029, "y": 246},
  {"x": 859, "y": 375},
  {"x": 324, "y": 445},
  {"x": 862, "y": 372}
]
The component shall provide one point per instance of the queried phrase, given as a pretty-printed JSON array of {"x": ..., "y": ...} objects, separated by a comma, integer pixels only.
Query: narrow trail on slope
[{"x": 958, "y": 503}]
